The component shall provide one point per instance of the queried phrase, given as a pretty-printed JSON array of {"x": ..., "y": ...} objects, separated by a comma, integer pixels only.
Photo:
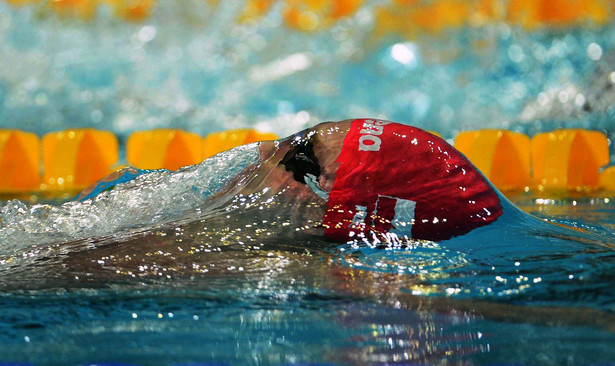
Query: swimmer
[
  {"x": 346, "y": 186},
  {"x": 367, "y": 180},
  {"x": 277, "y": 205}
]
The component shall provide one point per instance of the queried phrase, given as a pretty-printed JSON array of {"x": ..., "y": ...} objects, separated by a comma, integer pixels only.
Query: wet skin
[
  {"x": 327, "y": 139},
  {"x": 289, "y": 205}
]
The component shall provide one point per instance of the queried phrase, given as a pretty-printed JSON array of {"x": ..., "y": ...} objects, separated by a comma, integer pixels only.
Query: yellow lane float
[
  {"x": 568, "y": 159},
  {"x": 502, "y": 156},
  {"x": 304, "y": 15},
  {"x": 163, "y": 149},
  {"x": 533, "y": 13},
  {"x": 404, "y": 17},
  {"x": 19, "y": 161},
  {"x": 561, "y": 160},
  {"x": 131, "y": 10},
  {"x": 221, "y": 141},
  {"x": 74, "y": 159},
  {"x": 607, "y": 179}
]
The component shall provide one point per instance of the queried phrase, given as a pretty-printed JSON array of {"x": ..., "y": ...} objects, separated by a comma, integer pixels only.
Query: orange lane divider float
[
  {"x": 562, "y": 160},
  {"x": 568, "y": 159},
  {"x": 533, "y": 13},
  {"x": 19, "y": 161},
  {"x": 404, "y": 17},
  {"x": 163, "y": 149},
  {"x": 305, "y": 15},
  {"x": 221, "y": 141},
  {"x": 129, "y": 10},
  {"x": 73, "y": 159},
  {"x": 607, "y": 179},
  {"x": 502, "y": 156}
]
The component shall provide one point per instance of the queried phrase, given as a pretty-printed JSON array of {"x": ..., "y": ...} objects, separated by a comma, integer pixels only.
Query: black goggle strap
[{"x": 302, "y": 161}]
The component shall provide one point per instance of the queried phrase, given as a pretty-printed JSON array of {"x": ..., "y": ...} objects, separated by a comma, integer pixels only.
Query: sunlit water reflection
[
  {"x": 192, "y": 266},
  {"x": 237, "y": 291}
]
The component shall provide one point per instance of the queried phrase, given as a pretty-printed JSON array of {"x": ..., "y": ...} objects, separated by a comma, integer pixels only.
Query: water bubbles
[
  {"x": 149, "y": 199},
  {"x": 594, "y": 51},
  {"x": 281, "y": 68},
  {"x": 406, "y": 54},
  {"x": 96, "y": 116},
  {"x": 540, "y": 52},
  {"x": 174, "y": 53},
  {"x": 40, "y": 99},
  {"x": 230, "y": 71},
  {"x": 516, "y": 53},
  {"x": 147, "y": 33},
  {"x": 302, "y": 117},
  {"x": 563, "y": 96}
]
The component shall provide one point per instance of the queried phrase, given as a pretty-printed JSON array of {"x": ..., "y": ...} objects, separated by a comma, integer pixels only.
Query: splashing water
[
  {"x": 199, "y": 212},
  {"x": 149, "y": 200},
  {"x": 163, "y": 275}
]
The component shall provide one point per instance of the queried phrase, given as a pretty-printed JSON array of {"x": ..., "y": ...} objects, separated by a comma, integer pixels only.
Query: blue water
[
  {"x": 286, "y": 301},
  {"x": 208, "y": 73},
  {"x": 228, "y": 294}
]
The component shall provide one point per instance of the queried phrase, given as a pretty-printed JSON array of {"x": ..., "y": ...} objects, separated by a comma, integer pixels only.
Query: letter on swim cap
[
  {"x": 425, "y": 190},
  {"x": 372, "y": 129},
  {"x": 374, "y": 146}
]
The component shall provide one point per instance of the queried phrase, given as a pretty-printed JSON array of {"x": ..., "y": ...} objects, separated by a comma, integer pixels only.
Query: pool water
[
  {"x": 303, "y": 301},
  {"x": 221, "y": 289}
]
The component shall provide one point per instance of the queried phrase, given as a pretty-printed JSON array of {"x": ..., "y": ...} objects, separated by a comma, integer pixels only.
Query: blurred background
[{"x": 282, "y": 65}]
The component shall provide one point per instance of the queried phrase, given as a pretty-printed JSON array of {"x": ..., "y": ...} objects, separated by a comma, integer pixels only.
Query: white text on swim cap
[{"x": 372, "y": 129}]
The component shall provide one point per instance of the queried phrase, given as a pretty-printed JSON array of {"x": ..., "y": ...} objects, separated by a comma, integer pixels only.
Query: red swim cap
[{"x": 398, "y": 179}]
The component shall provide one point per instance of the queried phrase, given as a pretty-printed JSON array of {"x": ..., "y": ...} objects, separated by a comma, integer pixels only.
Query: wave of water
[
  {"x": 167, "y": 225},
  {"x": 241, "y": 214},
  {"x": 181, "y": 275},
  {"x": 149, "y": 200}
]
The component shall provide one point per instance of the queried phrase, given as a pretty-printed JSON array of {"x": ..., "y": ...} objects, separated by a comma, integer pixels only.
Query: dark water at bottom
[
  {"x": 288, "y": 305},
  {"x": 175, "y": 329}
]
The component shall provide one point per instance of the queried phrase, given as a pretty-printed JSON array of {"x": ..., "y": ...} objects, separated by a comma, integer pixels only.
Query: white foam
[{"x": 148, "y": 200}]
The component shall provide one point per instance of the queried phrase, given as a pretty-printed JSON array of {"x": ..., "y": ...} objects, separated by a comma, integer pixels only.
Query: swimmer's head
[
  {"x": 304, "y": 164},
  {"x": 301, "y": 160},
  {"x": 379, "y": 179}
]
